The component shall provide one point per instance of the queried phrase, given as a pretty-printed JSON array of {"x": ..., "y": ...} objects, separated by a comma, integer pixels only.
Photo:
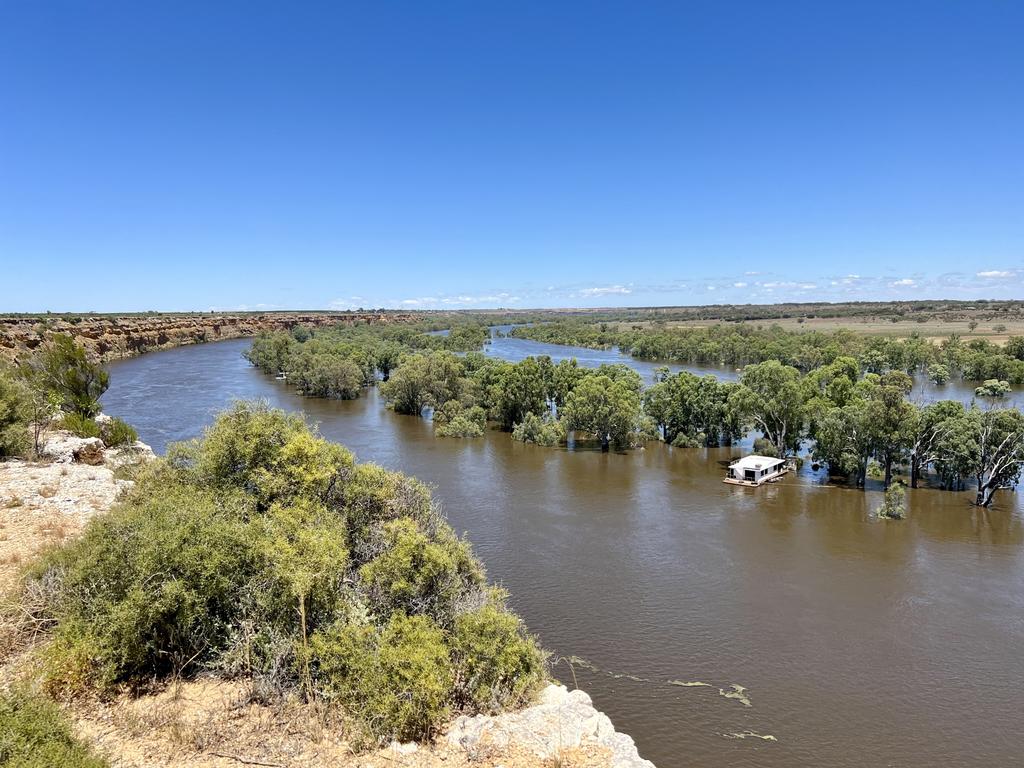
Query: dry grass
[{"x": 996, "y": 331}]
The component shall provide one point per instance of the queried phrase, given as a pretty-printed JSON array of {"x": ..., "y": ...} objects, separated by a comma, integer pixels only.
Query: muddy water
[{"x": 856, "y": 642}]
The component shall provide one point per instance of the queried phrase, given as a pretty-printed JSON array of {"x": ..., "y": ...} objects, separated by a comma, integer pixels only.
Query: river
[{"x": 859, "y": 642}]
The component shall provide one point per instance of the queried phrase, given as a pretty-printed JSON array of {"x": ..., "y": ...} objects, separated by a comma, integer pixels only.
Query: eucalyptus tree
[
  {"x": 1000, "y": 451},
  {"x": 771, "y": 399},
  {"x": 605, "y": 407},
  {"x": 891, "y": 420},
  {"x": 937, "y": 427}
]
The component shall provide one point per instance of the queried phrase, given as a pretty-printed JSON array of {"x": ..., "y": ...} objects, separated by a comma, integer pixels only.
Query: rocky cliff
[{"x": 110, "y": 337}]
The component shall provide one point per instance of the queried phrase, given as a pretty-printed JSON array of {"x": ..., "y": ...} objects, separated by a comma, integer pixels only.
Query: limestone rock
[
  {"x": 64, "y": 448},
  {"x": 560, "y": 720}
]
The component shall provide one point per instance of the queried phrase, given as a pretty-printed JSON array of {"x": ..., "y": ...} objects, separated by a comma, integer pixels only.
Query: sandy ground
[
  {"x": 212, "y": 724},
  {"x": 45, "y": 504}
]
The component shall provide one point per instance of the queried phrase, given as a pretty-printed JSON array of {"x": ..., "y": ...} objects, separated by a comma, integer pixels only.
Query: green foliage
[
  {"x": 893, "y": 507},
  {"x": 772, "y": 400},
  {"x": 15, "y": 414},
  {"x": 264, "y": 550},
  {"x": 398, "y": 678},
  {"x": 35, "y": 734},
  {"x": 938, "y": 373},
  {"x": 116, "y": 432},
  {"x": 606, "y": 407},
  {"x": 149, "y": 587},
  {"x": 539, "y": 430},
  {"x": 416, "y": 573},
  {"x": 79, "y": 425},
  {"x": 63, "y": 370},
  {"x": 457, "y": 421},
  {"x": 330, "y": 376},
  {"x": 497, "y": 664},
  {"x": 992, "y": 388}
]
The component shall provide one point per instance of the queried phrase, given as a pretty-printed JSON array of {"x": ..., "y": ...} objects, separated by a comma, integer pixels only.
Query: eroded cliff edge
[{"x": 112, "y": 337}]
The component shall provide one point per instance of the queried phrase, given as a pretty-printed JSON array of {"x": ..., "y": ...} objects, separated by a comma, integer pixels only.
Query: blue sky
[{"x": 311, "y": 155}]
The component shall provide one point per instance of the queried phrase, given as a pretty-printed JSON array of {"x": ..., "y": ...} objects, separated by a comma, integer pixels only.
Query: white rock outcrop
[
  {"x": 66, "y": 448},
  {"x": 561, "y": 720}
]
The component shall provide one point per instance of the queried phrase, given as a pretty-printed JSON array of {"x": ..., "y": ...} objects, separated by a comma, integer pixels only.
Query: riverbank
[
  {"x": 115, "y": 337},
  {"x": 215, "y": 722}
]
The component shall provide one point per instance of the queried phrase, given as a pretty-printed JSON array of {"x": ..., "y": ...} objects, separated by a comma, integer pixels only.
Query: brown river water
[{"x": 700, "y": 615}]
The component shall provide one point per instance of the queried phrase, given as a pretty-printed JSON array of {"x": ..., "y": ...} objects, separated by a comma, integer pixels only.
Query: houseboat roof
[{"x": 756, "y": 462}]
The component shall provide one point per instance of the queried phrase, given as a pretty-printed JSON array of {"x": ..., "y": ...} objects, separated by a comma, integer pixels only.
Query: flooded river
[{"x": 701, "y": 615}]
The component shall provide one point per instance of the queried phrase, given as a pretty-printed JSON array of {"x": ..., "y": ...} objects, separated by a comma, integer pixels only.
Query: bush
[
  {"x": 497, "y": 664},
  {"x": 540, "y": 430},
  {"x": 63, "y": 370},
  {"x": 938, "y": 373},
  {"x": 263, "y": 550},
  {"x": 992, "y": 388},
  {"x": 893, "y": 506},
  {"x": 453, "y": 421},
  {"x": 417, "y": 573},
  {"x": 399, "y": 678},
  {"x": 116, "y": 432},
  {"x": 333, "y": 377},
  {"x": 35, "y": 734},
  {"x": 79, "y": 425},
  {"x": 15, "y": 415}
]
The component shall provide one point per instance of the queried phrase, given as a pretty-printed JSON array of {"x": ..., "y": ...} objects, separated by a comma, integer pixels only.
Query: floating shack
[{"x": 755, "y": 470}]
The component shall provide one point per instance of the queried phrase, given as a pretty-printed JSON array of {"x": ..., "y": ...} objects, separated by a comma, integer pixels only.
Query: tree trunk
[
  {"x": 915, "y": 469},
  {"x": 986, "y": 490},
  {"x": 888, "y": 472},
  {"x": 604, "y": 443}
]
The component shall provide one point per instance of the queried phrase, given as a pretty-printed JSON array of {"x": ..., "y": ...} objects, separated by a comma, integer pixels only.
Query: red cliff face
[{"x": 110, "y": 337}]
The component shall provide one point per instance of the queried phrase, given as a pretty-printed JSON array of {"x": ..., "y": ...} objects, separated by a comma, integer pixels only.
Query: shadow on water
[{"x": 859, "y": 641}]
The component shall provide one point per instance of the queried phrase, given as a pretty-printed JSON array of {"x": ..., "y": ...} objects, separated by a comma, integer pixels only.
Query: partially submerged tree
[
  {"x": 606, "y": 408},
  {"x": 771, "y": 399}
]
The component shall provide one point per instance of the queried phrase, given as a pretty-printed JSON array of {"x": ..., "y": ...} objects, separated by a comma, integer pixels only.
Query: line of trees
[
  {"x": 721, "y": 344},
  {"x": 846, "y": 414}
]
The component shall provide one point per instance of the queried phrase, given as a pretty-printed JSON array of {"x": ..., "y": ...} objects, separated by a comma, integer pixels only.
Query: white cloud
[
  {"x": 905, "y": 282},
  {"x": 606, "y": 290},
  {"x": 739, "y": 285},
  {"x": 996, "y": 274}
]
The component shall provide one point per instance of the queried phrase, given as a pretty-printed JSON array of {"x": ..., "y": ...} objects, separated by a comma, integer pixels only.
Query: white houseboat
[{"x": 755, "y": 470}]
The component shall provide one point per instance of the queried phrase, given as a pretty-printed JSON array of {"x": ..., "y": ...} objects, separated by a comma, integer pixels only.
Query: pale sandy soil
[
  {"x": 44, "y": 504},
  {"x": 212, "y": 724}
]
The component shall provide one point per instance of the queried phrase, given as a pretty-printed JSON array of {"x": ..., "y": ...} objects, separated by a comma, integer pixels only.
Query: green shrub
[
  {"x": 35, "y": 734},
  {"x": 540, "y": 430},
  {"x": 116, "y": 433},
  {"x": 765, "y": 447},
  {"x": 151, "y": 586},
  {"x": 497, "y": 664},
  {"x": 416, "y": 573},
  {"x": 893, "y": 507},
  {"x": 452, "y": 420},
  {"x": 683, "y": 440},
  {"x": 82, "y": 426},
  {"x": 62, "y": 369},
  {"x": 15, "y": 414},
  {"x": 263, "y": 550},
  {"x": 399, "y": 678}
]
